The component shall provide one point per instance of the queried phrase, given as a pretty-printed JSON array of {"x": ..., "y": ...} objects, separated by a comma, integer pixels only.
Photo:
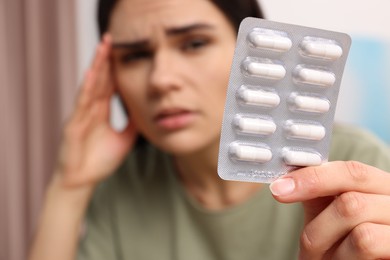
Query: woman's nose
[{"x": 164, "y": 74}]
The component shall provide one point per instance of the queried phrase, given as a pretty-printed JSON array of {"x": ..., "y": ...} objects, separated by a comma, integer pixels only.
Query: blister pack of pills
[{"x": 281, "y": 99}]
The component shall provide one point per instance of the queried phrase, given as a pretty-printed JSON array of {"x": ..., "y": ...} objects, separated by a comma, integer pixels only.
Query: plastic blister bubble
[{"x": 281, "y": 99}]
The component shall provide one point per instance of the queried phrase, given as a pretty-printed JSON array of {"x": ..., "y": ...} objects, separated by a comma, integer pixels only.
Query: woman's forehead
[{"x": 141, "y": 18}]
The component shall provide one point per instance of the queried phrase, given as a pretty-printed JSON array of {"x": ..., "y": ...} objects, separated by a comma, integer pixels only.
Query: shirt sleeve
[
  {"x": 350, "y": 143},
  {"x": 98, "y": 239}
]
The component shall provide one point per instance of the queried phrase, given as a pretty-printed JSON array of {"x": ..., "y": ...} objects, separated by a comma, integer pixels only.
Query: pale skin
[{"x": 170, "y": 62}]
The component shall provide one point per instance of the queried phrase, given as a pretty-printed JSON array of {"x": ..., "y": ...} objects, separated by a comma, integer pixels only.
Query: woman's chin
[{"x": 181, "y": 145}]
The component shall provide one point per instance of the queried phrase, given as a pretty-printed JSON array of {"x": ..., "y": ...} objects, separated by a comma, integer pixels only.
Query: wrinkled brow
[{"x": 144, "y": 43}]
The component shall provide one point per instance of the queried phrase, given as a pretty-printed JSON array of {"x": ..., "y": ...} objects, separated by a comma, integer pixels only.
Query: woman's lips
[{"x": 174, "y": 119}]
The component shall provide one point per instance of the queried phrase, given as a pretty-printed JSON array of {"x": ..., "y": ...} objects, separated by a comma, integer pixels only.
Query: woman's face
[{"x": 172, "y": 64}]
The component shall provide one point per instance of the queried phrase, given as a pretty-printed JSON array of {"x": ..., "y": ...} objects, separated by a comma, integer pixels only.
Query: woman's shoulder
[
  {"x": 139, "y": 185},
  {"x": 144, "y": 168},
  {"x": 354, "y": 143}
]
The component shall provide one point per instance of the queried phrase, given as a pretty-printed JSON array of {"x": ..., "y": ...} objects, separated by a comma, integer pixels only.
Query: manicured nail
[{"x": 282, "y": 187}]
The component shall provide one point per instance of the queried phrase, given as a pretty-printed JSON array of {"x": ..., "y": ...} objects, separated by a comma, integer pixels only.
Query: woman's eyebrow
[
  {"x": 175, "y": 31},
  {"x": 135, "y": 45},
  {"x": 188, "y": 28}
]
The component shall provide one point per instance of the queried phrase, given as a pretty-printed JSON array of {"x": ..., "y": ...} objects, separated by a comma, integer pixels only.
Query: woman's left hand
[{"x": 347, "y": 210}]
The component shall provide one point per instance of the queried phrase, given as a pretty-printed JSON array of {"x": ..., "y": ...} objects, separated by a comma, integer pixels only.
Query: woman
[{"x": 170, "y": 61}]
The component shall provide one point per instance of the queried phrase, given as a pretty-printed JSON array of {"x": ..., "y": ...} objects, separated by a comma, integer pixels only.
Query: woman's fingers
[
  {"x": 345, "y": 213},
  {"x": 339, "y": 199},
  {"x": 330, "y": 179},
  {"x": 104, "y": 86},
  {"x": 97, "y": 82},
  {"x": 91, "y": 148},
  {"x": 366, "y": 241}
]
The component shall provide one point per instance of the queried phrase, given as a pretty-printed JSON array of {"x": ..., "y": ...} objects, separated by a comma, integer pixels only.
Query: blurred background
[
  {"x": 365, "y": 89},
  {"x": 46, "y": 45}
]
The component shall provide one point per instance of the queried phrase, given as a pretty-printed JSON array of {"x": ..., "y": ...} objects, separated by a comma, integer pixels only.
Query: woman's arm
[
  {"x": 91, "y": 150},
  {"x": 60, "y": 221}
]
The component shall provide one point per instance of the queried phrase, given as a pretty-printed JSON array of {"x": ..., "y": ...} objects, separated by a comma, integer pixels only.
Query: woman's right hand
[{"x": 91, "y": 149}]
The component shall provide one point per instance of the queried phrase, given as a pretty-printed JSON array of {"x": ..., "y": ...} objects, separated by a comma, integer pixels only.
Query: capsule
[
  {"x": 301, "y": 158},
  {"x": 258, "y": 97},
  {"x": 321, "y": 48},
  {"x": 305, "y": 131},
  {"x": 310, "y": 104},
  {"x": 315, "y": 77},
  {"x": 253, "y": 125},
  {"x": 270, "y": 41},
  {"x": 250, "y": 153},
  {"x": 265, "y": 70}
]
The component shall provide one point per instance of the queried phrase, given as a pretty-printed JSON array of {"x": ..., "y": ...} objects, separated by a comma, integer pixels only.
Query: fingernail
[{"x": 282, "y": 187}]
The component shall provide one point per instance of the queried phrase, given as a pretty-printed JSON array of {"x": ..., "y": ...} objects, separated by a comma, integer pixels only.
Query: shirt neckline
[{"x": 259, "y": 197}]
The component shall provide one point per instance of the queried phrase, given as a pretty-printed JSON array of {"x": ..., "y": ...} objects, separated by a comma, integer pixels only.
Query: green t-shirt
[{"x": 143, "y": 212}]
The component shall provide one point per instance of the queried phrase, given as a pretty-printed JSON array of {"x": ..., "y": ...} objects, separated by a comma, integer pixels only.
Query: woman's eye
[
  {"x": 135, "y": 56},
  {"x": 194, "y": 44}
]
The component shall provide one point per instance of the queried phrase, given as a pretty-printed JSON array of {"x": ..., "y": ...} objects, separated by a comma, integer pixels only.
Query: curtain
[{"x": 38, "y": 85}]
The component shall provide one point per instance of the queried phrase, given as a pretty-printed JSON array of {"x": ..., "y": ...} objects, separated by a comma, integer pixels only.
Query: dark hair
[{"x": 235, "y": 11}]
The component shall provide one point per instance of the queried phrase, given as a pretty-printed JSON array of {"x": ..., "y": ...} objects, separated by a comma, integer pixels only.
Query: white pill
[
  {"x": 306, "y": 131},
  {"x": 250, "y": 153},
  {"x": 320, "y": 49},
  {"x": 266, "y": 70},
  {"x": 316, "y": 77},
  {"x": 258, "y": 97},
  {"x": 311, "y": 104},
  {"x": 250, "y": 125},
  {"x": 270, "y": 41},
  {"x": 301, "y": 158}
]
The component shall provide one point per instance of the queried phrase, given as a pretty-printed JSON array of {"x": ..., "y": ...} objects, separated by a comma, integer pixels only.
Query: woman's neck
[{"x": 198, "y": 175}]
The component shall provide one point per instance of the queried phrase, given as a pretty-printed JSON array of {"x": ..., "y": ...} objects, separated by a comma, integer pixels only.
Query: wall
[
  {"x": 37, "y": 88},
  {"x": 86, "y": 33},
  {"x": 366, "y": 83}
]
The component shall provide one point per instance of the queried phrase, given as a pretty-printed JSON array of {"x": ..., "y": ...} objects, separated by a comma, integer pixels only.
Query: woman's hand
[
  {"x": 347, "y": 210},
  {"x": 91, "y": 149}
]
